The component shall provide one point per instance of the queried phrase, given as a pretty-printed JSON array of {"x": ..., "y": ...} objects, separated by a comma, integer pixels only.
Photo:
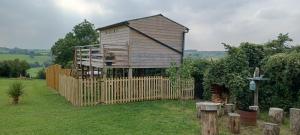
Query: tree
[
  {"x": 85, "y": 33},
  {"x": 82, "y": 34},
  {"x": 13, "y": 68},
  {"x": 278, "y": 45},
  {"x": 255, "y": 53}
]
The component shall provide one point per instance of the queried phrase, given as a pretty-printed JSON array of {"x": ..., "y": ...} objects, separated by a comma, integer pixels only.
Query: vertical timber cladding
[
  {"x": 154, "y": 41},
  {"x": 147, "y": 53}
]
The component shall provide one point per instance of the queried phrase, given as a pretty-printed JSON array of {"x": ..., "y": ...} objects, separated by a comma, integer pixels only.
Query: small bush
[
  {"x": 41, "y": 74},
  {"x": 15, "y": 91}
]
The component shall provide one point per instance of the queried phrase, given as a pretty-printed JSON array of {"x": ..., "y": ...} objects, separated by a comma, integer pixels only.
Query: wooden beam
[{"x": 130, "y": 72}]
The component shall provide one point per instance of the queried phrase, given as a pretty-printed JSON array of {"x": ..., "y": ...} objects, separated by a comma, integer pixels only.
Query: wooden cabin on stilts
[
  {"x": 138, "y": 47},
  {"x": 127, "y": 65}
]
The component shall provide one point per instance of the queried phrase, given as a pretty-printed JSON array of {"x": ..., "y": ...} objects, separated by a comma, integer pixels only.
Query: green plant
[
  {"x": 179, "y": 74},
  {"x": 15, "y": 90},
  {"x": 232, "y": 72},
  {"x": 41, "y": 74}
]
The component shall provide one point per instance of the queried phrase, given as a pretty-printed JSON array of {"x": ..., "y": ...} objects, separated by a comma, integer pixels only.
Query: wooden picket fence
[
  {"x": 91, "y": 91},
  {"x": 52, "y": 75}
]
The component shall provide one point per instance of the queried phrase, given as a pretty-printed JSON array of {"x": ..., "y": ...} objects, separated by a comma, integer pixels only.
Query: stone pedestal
[{"x": 209, "y": 118}]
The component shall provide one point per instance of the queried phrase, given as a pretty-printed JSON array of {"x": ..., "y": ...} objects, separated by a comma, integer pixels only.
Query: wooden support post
[
  {"x": 209, "y": 118},
  {"x": 234, "y": 123},
  {"x": 90, "y": 62},
  {"x": 276, "y": 115},
  {"x": 295, "y": 121},
  {"x": 229, "y": 108},
  {"x": 256, "y": 94},
  {"x": 271, "y": 129},
  {"x": 104, "y": 72},
  {"x": 129, "y": 72}
]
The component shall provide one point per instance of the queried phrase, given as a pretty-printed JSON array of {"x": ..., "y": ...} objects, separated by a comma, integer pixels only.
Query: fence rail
[{"x": 91, "y": 91}]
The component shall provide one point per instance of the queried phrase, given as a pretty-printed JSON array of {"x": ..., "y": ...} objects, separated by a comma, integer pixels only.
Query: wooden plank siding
[
  {"x": 146, "y": 53},
  {"x": 115, "y": 35},
  {"x": 140, "y": 35},
  {"x": 161, "y": 29}
]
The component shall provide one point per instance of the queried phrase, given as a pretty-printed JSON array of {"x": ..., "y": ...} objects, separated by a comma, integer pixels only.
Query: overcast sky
[{"x": 39, "y": 23}]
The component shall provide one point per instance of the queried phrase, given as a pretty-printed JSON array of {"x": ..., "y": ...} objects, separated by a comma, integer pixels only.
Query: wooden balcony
[{"x": 105, "y": 55}]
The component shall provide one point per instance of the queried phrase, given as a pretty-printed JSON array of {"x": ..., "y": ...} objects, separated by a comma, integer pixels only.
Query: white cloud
[
  {"x": 82, "y": 7},
  {"x": 210, "y": 21}
]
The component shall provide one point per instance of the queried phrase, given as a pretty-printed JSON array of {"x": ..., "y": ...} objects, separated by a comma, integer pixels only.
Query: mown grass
[
  {"x": 39, "y": 59},
  {"x": 43, "y": 111}
]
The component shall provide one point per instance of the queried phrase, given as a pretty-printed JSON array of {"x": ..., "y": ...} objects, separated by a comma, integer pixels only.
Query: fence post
[{"x": 161, "y": 88}]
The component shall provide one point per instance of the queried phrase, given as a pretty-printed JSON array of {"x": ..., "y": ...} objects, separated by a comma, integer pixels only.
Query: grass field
[
  {"x": 44, "y": 112},
  {"x": 39, "y": 59},
  {"x": 33, "y": 71}
]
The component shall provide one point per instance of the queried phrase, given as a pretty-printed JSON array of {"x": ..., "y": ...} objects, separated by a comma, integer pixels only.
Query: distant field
[
  {"x": 33, "y": 71},
  {"x": 39, "y": 59}
]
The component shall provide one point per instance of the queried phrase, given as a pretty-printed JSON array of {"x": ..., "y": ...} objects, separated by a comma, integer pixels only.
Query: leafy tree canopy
[
  {"x": 278, "y": 60},
  {"x": 82, "y": 34}
]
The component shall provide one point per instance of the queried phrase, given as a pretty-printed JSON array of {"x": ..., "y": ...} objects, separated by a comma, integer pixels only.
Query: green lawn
[
  {"x": 33, "y": 71},
  {"x": 39, "y": 59},
  {"x": 43, "y": 112}
]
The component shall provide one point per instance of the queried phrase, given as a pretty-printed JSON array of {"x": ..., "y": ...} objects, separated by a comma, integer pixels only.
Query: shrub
[
  {"x": 283, "y": 69},
  {"x": 41, "y": 74},
  {"x": 15, "y": 91},
  {"x": 13, "y": 68}
]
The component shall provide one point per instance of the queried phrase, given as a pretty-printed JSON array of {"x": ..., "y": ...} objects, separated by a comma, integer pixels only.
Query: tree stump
[
  {"x": 276, "y": 115},
  {"x": 295, "y": 121},
  {"x": 198, "y": 110},
  {"x": 229, "y": 108},
  {"x": 271, "y": 129},
  {"x": 220, "y": 111},
  {"x": 209, "y": 118},
  {"x": 234, "y": 123}
]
